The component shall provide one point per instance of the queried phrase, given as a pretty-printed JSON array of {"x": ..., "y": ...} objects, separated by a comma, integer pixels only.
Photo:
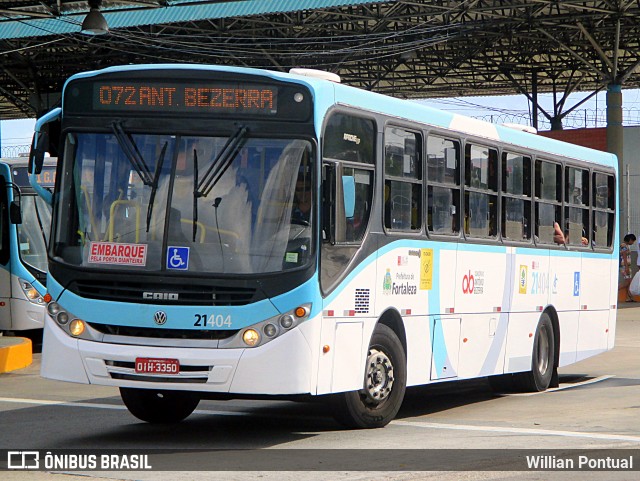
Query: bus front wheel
[
  {"x": 159, "y": 407},
  {"x": 385, "y": 381}
]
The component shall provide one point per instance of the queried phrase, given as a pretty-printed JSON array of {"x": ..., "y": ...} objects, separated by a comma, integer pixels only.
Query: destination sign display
[
  {"x": 209, "y": 97},
  {"x": 46, "y": 178}
]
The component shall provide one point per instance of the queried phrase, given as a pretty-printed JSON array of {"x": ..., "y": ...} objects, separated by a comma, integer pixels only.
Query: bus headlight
[
  {"x": 68, "y": 322},
  {"x": 251, "y": 337},
  {"x": 258, "y": 334},
  {"x": 300, "y": 313},
  {"x": 76, "y": 327},
  {"x": 31, "y": 292},
  {"x": 270, "y": 330},
  {"x": 53, "y": 308},
  {"x": 286, "y": 321},
  {"x": 62, "y": 318}
]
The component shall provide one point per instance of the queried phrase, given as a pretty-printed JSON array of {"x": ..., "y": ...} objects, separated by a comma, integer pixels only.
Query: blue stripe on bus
[
  {"x": 123, "y": 314},
  {"x": 438, "y": 345},
  {"x": 178, "y": 317}
]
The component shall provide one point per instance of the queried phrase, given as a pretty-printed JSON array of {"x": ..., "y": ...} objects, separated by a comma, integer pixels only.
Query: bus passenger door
[
  {"x": 445, "y": 348},
  {"x": 590, "y": 284},
  {"x": 5, "y": 255}
]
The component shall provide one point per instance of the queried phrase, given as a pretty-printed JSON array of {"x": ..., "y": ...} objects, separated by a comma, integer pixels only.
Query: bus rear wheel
[
  {"x": 385, "y": 381},
  {"x": 542, "y": 364},
  {"x": 542, "y": 358},
  {"x": 159, "y": 407}
]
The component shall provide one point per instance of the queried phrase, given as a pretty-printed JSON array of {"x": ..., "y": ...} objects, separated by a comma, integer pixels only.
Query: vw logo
[{"x": 160, "y": 318}]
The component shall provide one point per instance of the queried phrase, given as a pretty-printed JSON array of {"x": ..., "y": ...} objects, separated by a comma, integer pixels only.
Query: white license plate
[{"x": 147, "y": 365}]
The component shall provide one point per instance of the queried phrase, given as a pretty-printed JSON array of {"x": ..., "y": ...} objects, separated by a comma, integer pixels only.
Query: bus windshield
[
  {"x": 33, "y": 232},
  {"x": 188, "y": 204}
]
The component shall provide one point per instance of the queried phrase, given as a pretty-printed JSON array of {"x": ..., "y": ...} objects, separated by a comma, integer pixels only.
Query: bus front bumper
[{"x": 280, "y": 367}]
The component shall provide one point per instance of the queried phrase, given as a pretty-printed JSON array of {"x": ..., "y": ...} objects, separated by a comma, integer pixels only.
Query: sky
[
  {"x": 19, "y": 132},
  {"x": 16, "y": 132}
]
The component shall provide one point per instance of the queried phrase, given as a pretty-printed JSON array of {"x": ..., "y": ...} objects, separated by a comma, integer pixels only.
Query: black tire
[
  {"x": 385, "y": 382},
  {"x": 542, "y": 358},
  {"x": 159, "y": 407}
]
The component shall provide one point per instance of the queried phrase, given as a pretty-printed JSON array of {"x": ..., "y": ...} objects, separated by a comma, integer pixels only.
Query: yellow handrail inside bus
[
  {"x": 126, "y": 203},
  {"x": 92, "y": 219},
  {"x": 201, "y": 228}
]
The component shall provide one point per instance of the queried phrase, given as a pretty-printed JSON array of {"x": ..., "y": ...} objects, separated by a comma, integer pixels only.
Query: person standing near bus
[{"x": 625, "y": 263}]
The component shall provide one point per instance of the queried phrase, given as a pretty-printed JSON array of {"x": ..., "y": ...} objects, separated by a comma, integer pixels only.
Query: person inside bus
[
  {"x": 558, "y": 235},
  {"x": 562, "y": 238}
]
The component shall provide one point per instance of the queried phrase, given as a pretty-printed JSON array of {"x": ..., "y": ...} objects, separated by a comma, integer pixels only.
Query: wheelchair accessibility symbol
[{"x": 178, "y": 258}]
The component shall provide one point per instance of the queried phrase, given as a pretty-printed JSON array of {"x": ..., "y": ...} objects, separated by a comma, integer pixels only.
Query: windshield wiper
[
  {"x": 132, "y": 153},
  {"x": 154, "y": 185},
  {"x": 221, "y": 163},
  {"x": 195, "y": 193}
]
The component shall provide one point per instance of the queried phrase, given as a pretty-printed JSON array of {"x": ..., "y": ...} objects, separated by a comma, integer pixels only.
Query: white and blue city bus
[
  {"x": 25, "y": 221},
  {"x": 186, "y": 265}
]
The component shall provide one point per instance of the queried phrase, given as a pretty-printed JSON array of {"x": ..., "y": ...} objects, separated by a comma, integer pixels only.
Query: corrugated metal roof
[{"x": 66, "y": 24}]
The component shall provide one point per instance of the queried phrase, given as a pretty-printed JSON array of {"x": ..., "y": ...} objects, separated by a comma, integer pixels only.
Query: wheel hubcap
[
  {"x": 543, "y": 351},
  {"x": 379, "y": 379}
]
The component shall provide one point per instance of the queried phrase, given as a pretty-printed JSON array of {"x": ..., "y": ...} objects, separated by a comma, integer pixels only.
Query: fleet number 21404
[{"x": 213, "y": 320}]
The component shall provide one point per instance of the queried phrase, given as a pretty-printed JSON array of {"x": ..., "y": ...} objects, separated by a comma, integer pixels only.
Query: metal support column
[
  {"x": 534, "y": 96},
  {"x": 615, "y": 146}
]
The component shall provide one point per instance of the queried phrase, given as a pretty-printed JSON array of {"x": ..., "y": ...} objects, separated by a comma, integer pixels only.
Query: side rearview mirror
[
  {"x": 39, "y": 147},
  {"x": 15, "y": 213}
]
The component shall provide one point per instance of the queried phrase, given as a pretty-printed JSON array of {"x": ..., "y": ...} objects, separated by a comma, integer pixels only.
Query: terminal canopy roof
[{"x": 404, "y": 48}]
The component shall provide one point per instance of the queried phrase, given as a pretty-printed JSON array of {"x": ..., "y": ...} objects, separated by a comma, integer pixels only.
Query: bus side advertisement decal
[{"x": 426, "y": 269}]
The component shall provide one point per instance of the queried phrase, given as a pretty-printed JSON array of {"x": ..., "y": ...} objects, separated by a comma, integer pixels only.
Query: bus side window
[
  {"x": 577, "y": 206},
  {"x": 443, "y": 193},
  {"x": 403, "y": 180},
  {"x": 516, "y": 197},
  {"x": 481, "y": 191},
  {"x": 603, "y": 187},
  {"x": 349, "y": 144},
  {"x": 548, "y": 196}
]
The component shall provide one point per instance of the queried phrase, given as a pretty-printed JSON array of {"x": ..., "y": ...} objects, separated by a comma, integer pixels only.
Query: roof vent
[
  {"x": 321, "y": 74},
  {"x": 522, "y": 128}
]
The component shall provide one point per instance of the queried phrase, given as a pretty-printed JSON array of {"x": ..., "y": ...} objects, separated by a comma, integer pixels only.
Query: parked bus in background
[
  {"x": 181, "y": 268},
  {"x": 25, "y": 222}
]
